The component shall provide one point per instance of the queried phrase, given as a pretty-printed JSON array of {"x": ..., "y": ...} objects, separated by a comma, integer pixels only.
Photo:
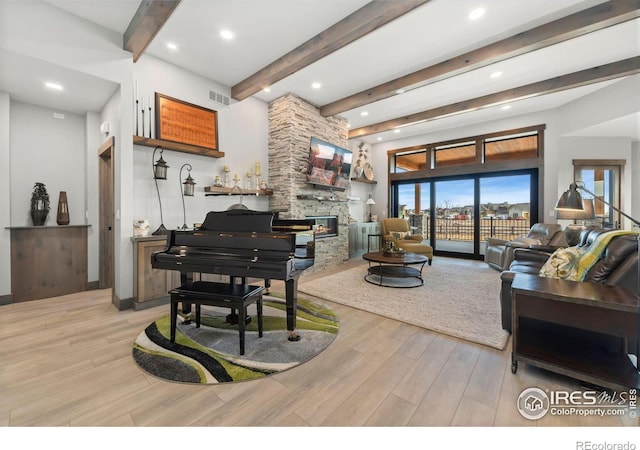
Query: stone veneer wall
[{"x": 292, "y": 123}]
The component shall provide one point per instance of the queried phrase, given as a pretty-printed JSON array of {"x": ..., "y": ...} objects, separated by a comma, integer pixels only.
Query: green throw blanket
[{"x": 573, "y": 263}]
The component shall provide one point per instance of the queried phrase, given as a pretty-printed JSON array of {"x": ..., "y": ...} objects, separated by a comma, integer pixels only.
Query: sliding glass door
[
  {"x": 456, "y": 215},
  {"x": 454, "y": 230}
]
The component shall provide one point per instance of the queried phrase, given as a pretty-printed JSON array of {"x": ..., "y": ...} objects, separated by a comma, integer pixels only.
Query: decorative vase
[
  {"x": 39, "y": 217},
  {"x": 63, "y": 209},
  {"x": 39, "y": 204}
]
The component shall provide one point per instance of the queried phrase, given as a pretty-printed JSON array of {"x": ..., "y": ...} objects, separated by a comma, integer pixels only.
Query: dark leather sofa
[
  {"x": 499, "y": 252},
  {"x": 618, "y": 266}
]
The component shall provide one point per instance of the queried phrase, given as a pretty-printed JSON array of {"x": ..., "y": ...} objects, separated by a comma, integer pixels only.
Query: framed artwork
[{"x": 183, "y": 122}]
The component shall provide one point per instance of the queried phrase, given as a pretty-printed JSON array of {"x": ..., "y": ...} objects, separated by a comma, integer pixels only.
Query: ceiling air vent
[{"x": 219, "y": 98}]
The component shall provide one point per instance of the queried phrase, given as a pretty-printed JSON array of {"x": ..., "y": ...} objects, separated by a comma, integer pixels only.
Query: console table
[
  {"x": 579, "y": 329},
  {"x": 48, "y": 261}
]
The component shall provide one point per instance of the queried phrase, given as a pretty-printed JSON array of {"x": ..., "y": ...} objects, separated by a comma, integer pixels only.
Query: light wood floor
[{"x": 67, "y": 361}]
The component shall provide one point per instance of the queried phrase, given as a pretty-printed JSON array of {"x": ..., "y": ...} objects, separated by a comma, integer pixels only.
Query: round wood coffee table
[{"x": 393, "y": 268}]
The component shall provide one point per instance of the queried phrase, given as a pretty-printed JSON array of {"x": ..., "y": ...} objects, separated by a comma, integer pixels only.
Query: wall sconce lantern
[
  {"x": 188, "y": 189},
  {"x": 159, "y": 173}
]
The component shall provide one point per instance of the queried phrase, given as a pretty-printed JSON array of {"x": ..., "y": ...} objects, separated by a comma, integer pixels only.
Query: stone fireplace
[{"x": 292, "y": 123}]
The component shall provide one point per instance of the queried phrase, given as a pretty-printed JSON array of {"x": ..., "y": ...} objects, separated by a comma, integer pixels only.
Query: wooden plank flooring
[{"x": 67, "y": 361}]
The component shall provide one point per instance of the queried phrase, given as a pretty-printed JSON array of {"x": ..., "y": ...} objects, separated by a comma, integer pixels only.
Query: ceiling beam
[
  {"x": 358, "y": 24},
  {"x": 585, "y": 77},
  {"x": 583, "y": 22},
  {"x": 145, "y": 24}
]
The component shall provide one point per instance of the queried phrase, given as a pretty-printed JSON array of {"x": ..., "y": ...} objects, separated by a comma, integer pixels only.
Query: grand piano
[{"x": 243, "y": 243}]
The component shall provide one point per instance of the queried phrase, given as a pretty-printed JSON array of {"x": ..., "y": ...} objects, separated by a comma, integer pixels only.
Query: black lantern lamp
[
  {"x": 188, "y": 188},
  {"x": 159, "y": 173}
]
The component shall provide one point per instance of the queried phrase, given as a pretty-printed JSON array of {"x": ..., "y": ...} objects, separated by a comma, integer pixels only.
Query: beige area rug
[{"x": 460, "y": 298}]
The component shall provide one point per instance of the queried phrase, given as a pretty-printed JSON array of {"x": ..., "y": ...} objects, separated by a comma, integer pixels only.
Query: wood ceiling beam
[
  {"x": 585, "y": 77},
  {"x": 358, "y": 24},
  {"x": 569, "y": 27},
  {"x": 145, "y": 24}
]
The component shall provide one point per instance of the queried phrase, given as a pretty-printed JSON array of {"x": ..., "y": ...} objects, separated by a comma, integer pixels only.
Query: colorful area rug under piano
[{"x": 210, "y": 354}]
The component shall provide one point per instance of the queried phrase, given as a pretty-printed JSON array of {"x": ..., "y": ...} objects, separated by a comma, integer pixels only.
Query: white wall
[
  {"x": 5, "y": 199},
  {"x": 597, "y": 148},
  {"x": 48, "y": 150},
  {"x": 93, "y": 140},
  {"x": 242, "y": 135}
]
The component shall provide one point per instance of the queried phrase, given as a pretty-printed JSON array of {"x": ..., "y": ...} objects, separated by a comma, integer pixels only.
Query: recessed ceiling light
[
  {"x": 476, "y": 13},
  {"x": 348, "y": 125},
  {"x": 267, "y": 89},
  {"x": 379, "y": 138},
  {"x": 172, "y": 46},
  {"x": 397, "y": 130},
  {"x": 505, "y": 107},
  {"x": 496, "y": 74},
  {"x": 364, "y": 113},
  {"x": 316, "y": 85},
  {"x": 55, "y": 86},
  {"x": 401, "y": 91},
  {"x": 226, "y": 34}
]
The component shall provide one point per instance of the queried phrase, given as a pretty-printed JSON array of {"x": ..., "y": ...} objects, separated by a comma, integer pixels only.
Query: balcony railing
[{"x": 458, "y": 229}]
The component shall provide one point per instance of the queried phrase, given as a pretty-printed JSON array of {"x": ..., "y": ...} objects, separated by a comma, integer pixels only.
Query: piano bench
[{"x": 226, "y": 295}]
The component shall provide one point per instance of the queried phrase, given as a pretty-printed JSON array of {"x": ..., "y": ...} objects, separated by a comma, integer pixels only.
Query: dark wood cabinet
[
  {"x": 150, "y": 286},
  {"x": 48, "y": 261},
  {"x": 583, "y": 330}
]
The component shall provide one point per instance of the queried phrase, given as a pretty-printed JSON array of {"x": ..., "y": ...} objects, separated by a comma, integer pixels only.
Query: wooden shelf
[
  {"x": 318, "y": 198},
  {"x": 217, "y": 190},
  {"x": 364, "y": 180},
  {"x": 176, "y": 146}
]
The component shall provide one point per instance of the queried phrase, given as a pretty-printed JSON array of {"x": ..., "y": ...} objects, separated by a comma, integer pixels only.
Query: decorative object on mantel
[
  {"x": 141, "y": 228},
  {"x": 187, "y": 189},
  {"x": 39, "y": 204},
  {"x": 221, "y": 190},
  {"x": 362, "y": 159},
  {"x": 225, "y": 180},
  {"x": 63, "y": 209},
  {"x": 159, "y": 173},
  {"x": 370, "y": 202}
]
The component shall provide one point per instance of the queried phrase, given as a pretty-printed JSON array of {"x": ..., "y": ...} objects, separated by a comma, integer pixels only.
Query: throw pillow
[
  {"x": 398, "y": 235},
  {"x": 562, "y": 264}
]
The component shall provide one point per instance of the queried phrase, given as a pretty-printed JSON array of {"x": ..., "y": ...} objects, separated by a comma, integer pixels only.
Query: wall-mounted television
[{"x": 329, "y": 165}]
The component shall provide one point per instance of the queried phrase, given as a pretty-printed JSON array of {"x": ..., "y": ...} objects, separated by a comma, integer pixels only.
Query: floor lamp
[
  {"x": 159, "y": 173},
  {"x": 572, "y": 200}
]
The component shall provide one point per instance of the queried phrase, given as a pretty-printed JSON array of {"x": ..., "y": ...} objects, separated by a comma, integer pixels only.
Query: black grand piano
[{"x": 243, "y": 243}]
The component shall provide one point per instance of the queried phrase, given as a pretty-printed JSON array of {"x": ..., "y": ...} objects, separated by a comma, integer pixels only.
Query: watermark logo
[{"x": 535, "y": 403}]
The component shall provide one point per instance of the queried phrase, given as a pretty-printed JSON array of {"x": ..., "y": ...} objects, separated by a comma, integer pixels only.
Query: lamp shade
[
  {"x": 587, "y": 213},
  {"x": 370, "y": 201},
  {"x": 189, "y": 186},
  {"x": 160, "y": 169},
  {"x": 570, "y": 199}
]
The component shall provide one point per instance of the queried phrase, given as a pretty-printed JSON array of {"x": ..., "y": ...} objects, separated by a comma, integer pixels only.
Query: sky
[{"x": 511, "y": 189}]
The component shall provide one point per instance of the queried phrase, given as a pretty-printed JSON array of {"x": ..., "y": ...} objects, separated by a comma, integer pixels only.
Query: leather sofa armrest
[
  {"x": 417, "y": 237},
  {"x": 526, "y": 254},
  {"x": 545, "y": 248},
  {"x": 496, "y": 241}
]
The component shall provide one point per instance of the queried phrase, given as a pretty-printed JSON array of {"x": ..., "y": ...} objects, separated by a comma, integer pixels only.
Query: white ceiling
[{"x": 267, "y": 29}]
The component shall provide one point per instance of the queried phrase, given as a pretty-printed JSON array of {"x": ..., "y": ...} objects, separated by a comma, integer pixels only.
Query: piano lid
[{"x": 238, "y": 220}]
